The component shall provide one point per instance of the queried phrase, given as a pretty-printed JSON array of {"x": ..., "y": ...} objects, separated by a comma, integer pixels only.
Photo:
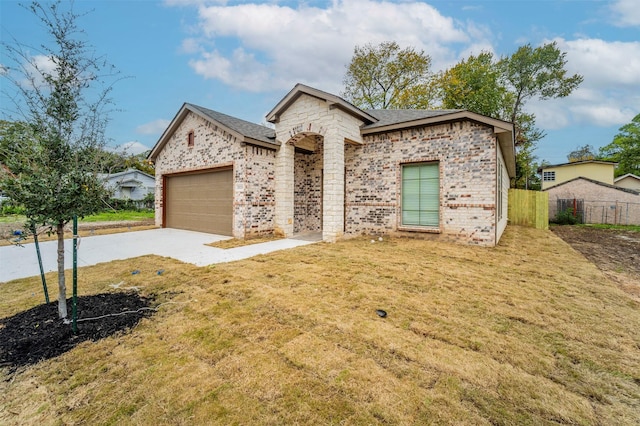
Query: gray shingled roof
[
  {"x": 246, "y": 128},
  {"x": 388, "y": 117},
  {"x": 597, "y": 182}
]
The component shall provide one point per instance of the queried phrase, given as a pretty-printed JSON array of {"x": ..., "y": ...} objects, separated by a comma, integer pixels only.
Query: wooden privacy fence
[{"x": 529, "y": 208}]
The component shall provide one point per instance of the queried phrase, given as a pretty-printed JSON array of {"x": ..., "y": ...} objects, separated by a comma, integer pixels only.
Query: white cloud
[
  {"x": 271, "y": 46},
  {"x": 132, "y": 147},
  {"x": 154, "y": 127},
  {"x": 626, "y": 13},
  {"x": 609, "y": 93},
  {"x": 279, "y": 45},
  {"x": 34, "y": 70},
  {"x": 190, "y": 45},
  {"x": 604, "y": 64}
]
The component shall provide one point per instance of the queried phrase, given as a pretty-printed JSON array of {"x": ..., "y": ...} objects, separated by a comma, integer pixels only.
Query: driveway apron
[{"x": 186, "y": 246}]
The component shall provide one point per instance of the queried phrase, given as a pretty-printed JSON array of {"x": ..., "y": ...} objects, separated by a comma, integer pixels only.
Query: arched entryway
[{"x": 312, "y": 128}]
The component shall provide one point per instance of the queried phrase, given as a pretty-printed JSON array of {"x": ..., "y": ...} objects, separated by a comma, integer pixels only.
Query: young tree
[
  {"x": 625, "y": 148},
  {"x": 51, "y": 167},
  {"x": 387, "y": 77}
]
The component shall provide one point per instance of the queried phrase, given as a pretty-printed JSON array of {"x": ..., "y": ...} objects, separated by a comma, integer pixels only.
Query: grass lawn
[
  {"x": 98, "y": 217},
  {"x": 9, "y": 223},
  {"x": 528, "y": 332},
  {"x": 119, "y": 215}
]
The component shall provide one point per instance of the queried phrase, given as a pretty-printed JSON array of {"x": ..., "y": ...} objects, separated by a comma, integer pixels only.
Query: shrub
[
  {"x": 9, "y": 208},
  {"x": 566, "y": 217}
]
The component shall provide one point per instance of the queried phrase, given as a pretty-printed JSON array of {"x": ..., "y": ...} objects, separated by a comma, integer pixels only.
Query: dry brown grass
[
  {"x": 525, "y": 333},
  {"x": 235, "y": 242}
]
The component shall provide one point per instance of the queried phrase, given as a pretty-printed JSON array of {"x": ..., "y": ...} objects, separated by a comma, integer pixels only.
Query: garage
[{"x": 200, "y": 201}]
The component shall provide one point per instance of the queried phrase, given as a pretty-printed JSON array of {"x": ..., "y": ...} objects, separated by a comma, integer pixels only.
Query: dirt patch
[
  {"x": 615, "y": 252},
  {"x": 38, "y": 334},
  {"x": 235, "y": 242}
]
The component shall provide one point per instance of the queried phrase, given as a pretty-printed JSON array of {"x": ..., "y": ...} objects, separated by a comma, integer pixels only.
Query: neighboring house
[
  {"x": 629, "y": 181},
  {"x": 601, "y": 171},
  {"x": 132, "y": 184},
  {"x": 596, "y": 202},
  {"x": 333, "y": 168}
]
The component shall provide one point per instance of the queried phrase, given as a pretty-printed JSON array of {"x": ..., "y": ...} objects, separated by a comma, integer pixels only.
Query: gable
[{"x": 242, "y": 130}]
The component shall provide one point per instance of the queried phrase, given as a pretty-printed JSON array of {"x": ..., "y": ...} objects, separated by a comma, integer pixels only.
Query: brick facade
[
  {"x": 324, "y": 173},
  {"x": 253, "y": 172},
  {"x": 466, "y": 154}
]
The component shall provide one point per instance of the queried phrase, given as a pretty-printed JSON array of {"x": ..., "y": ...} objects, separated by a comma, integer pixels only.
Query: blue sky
[{"x": 242, "y": 57}]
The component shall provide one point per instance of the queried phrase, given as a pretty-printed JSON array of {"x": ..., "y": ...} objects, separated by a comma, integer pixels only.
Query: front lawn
[{"x": 528, "y": 332}]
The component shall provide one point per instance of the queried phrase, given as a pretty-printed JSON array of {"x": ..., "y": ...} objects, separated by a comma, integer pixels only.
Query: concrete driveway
[{"x": 186, "y": 246}]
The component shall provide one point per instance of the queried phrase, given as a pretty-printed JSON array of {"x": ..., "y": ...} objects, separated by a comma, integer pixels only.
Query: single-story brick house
[
  {"x": 330, "y": 167},
  {"x": 597, "y": 202}
]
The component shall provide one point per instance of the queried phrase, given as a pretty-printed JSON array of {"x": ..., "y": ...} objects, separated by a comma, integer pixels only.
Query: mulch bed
[{"x": 38, "y": 334}]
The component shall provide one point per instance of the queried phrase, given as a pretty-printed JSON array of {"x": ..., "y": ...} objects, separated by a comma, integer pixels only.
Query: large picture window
[{"x": 421, "y": 194}]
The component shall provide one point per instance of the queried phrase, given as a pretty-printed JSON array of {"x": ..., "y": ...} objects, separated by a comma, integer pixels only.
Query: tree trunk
[{"x": 62, "y": 289}]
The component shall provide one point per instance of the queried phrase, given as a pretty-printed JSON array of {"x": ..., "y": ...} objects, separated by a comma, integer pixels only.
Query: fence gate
[{"x": 575, "y": 205}]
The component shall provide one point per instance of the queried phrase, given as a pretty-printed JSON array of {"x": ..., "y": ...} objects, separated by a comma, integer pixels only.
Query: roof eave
[
  {"x": 574, "y": 163},
  {"x": 271, "y": 145},
  {"x": 498, "y": 125},
  {"x": 175, "y": 123}
]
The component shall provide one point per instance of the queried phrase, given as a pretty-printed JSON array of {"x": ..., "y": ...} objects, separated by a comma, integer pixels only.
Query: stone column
[
  {"x": 333, "y": 186},
  {"x": 284, "y": 190}
]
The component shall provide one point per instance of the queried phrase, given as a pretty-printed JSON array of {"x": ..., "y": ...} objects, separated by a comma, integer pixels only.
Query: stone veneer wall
[
  {"x": 253, "y": 171},
  {"x": 466, "y": 152}
]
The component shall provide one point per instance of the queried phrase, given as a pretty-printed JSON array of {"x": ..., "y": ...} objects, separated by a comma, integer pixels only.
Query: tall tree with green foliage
[
  {"x": 533, "y": 73},
  {"x": 582, "y": 153},
  {"x": 537, "y": 73},
  {"x": 52, "y": 163},
  {"x": 475, "y": 84},
  {"x": 388, "y": 77},
  {"x": 501, "y": 89},
  {"x": 625, "y": 148}
]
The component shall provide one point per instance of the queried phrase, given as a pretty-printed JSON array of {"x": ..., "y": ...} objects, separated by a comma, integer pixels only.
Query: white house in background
[
  {"x": 132, "y": 184},
  {"x": 629, "y": 181}
]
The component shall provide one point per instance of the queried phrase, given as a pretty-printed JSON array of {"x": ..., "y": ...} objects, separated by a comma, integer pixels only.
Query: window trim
[{"x": 420, "y": 228}]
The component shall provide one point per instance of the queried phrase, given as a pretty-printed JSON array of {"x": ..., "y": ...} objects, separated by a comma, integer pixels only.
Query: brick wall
[
  {"x": 308, "y": 190},
  {"x": 602, "y": 204},
  {"x": 259, "y": 199},
  {"x": 253, "y": 171},
  {"x": 466, "y": 153}
]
